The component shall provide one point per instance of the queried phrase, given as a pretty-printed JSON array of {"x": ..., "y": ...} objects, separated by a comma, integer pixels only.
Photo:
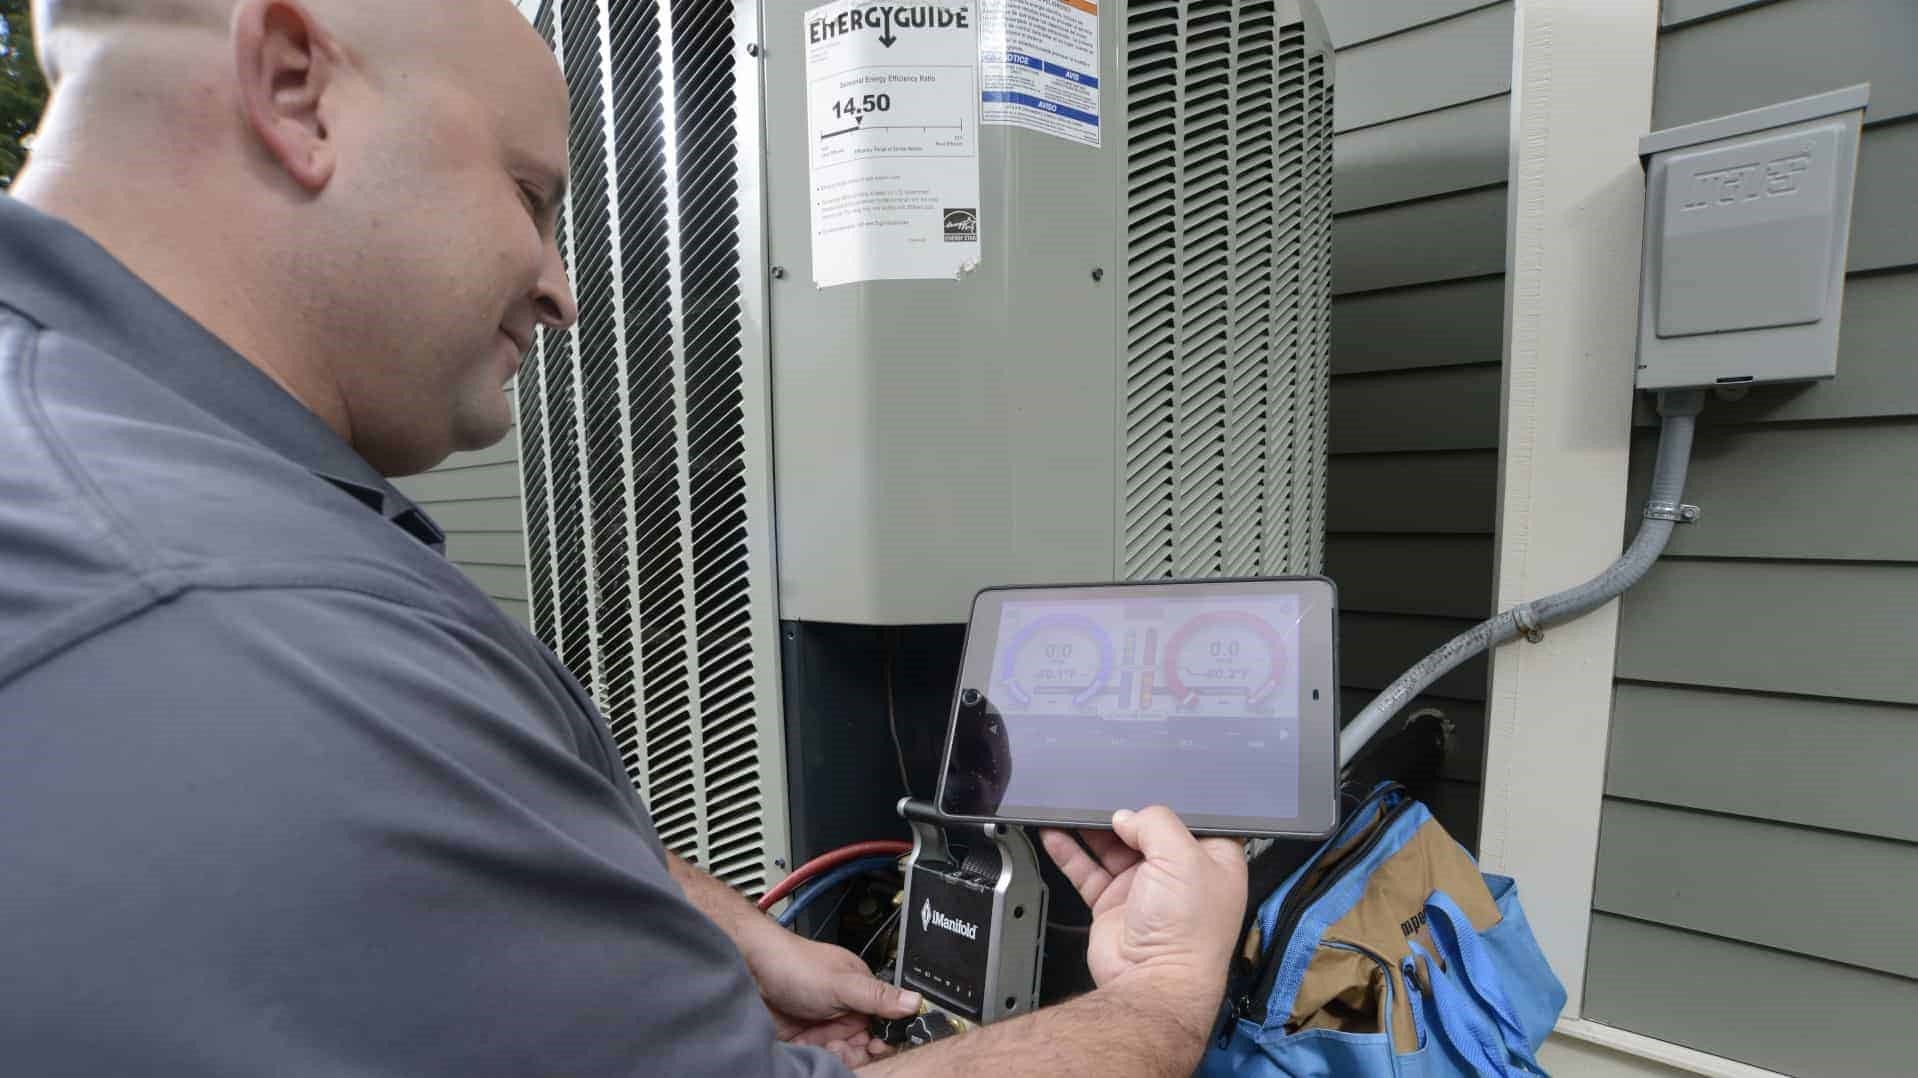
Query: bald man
[{"x": 282, "y": 792}]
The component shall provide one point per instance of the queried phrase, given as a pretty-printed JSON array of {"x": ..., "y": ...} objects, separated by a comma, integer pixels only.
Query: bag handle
[{"x": 1465, "y": 957}]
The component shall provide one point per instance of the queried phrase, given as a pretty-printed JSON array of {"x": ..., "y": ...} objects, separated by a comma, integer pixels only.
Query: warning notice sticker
[
  {"x": 892, "y": 96},
  {"x": 1039, "y": 66}
]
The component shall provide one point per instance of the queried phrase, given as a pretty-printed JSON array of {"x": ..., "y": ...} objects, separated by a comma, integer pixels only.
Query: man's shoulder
[{"x": 120, "y": 492}]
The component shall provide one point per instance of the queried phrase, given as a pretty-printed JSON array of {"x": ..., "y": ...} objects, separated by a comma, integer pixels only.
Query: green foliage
[{"x": 23, "y": 92}]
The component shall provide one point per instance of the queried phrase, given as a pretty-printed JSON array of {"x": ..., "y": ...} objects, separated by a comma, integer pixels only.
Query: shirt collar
[{"x": 61, "y": 279}]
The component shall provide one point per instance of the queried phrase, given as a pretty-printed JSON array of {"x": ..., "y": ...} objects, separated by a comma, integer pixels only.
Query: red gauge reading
[{"x": 1233, "y": 659}]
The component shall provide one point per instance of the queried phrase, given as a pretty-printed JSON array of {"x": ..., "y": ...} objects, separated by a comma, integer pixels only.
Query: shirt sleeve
[{"x": 318, "y": 832}]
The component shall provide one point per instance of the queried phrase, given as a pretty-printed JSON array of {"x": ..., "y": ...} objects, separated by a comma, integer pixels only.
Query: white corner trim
[
  {"x": 1581, "y": 99},
  {"x": 1574, "y": 1063}
]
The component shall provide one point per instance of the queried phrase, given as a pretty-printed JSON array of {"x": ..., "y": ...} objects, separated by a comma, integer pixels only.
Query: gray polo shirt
[{"x": 281, "y": 792}]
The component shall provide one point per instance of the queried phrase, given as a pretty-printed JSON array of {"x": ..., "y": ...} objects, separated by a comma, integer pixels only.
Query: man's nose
[{"x": 553, "y": 298}]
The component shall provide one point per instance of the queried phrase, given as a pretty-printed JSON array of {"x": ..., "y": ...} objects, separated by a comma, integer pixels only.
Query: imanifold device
[{"x": 971, "y": 925}]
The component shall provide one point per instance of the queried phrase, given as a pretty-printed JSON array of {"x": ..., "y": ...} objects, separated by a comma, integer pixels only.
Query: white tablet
[{"x": 1216, "y": 698}]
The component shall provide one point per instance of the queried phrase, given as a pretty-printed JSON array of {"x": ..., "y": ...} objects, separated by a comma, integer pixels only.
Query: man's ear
[{"x": 286, "y": 64}]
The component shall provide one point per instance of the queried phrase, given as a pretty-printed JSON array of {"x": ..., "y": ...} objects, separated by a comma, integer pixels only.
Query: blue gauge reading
[{"x": 1059, "y": 657}]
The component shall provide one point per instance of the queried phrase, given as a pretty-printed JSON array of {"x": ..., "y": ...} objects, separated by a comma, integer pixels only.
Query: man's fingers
[
  {"x": 847, "y": 1054},
  {"x": 1226, "y": 852},
  {"x": 1114, "y": 855},
  {"x": 843, "y": 1029},
  {"x": 1154, "y": 832},
  {"x": 863, "y": 993},
  {"x": 1086, "y": 875}
]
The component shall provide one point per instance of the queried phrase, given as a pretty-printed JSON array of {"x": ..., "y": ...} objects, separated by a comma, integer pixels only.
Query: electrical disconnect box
[{"x": 1746, "y": 223}]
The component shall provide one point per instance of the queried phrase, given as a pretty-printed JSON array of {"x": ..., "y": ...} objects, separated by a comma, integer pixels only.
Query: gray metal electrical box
[{"x": 1746, "y": 223}]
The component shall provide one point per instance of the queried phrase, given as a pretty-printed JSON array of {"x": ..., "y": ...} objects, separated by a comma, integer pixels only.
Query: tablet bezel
[{"x": 1317, "y": 813}]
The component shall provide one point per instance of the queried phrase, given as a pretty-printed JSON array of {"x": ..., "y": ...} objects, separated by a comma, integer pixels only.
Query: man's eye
[{"x": 535, "y": 202}]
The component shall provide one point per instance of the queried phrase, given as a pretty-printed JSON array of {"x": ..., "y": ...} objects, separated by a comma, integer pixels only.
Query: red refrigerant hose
[{"x": 830, "y": 860}]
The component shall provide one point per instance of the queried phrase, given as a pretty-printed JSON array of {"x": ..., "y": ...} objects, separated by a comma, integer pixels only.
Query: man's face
[{"x": 449, "y": 187}]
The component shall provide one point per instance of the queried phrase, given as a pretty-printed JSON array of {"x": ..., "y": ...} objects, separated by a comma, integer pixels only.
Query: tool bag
[{"x": 1388, "y": 953}]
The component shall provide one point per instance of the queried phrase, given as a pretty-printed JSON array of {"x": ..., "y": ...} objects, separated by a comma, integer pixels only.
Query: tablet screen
[{"x": 1215, "y": 698}]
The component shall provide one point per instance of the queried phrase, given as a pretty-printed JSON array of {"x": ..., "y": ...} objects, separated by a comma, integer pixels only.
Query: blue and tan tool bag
[{"x": 1388, "y": 953}]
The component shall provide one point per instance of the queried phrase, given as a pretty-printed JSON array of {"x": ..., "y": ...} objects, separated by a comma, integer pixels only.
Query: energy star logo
[{"x": 929, "y": 917}]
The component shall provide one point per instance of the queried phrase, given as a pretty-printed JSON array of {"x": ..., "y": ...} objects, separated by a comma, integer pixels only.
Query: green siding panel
[
  {"x": 1439, "y": 575},
  {"x": 1721, "y": 875},
  {"x": 517, "y": 610},
  {"x": 1777, "y": 52},
  {"x": 1351, "y": 23},
  {"x": 1435, "y": 153},
  {"x": 1445, "y": 63},
  {"x": 1797, "y": 760},
  {"x": 1374, "y": 649},
  {"x": 1678, "y": 12},
  {"x": 499, "y": 581},
  {"x": 1439, "y": 239},
  {"x": 1780, "y": 1011},
  {"x": 1835, "y": 492},
  {"x": 505, "y": 449},
  {"x": 1423, "y": 492},
  {"x": 464, "y": 484},
  {"x": 1457, "y": 805},
  {"x": 1846, "y": 631},
  {"x": 1438, "y": 325},
  {"x": 1884, "y": 230},
  {"x": 1876, "y": 375},
  {"x": 1440, "y": 408},
  {"x": 486, "y": 548},
  {"x": 483, "y": 515}
]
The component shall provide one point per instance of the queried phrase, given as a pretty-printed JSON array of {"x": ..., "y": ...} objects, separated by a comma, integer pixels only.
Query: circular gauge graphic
[
  {"x": 1227, "y": 653},
  {"x": 1059, "y": 655}
]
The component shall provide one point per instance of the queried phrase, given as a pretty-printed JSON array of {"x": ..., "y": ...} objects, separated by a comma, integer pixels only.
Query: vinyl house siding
[
  {"x": 1422, "y": 112},
  {"x": 475, "y": 498},
  {"x": 1759, "y": 838}
]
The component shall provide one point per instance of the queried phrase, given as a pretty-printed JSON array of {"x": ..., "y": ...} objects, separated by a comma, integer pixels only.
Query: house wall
[
  {"x": 1420, "y": 155},
  {"x": 475, "y": 498},
  {"x": 1759, "y": 837}
]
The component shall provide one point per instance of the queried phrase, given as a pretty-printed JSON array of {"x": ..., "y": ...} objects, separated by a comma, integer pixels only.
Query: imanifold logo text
[{"x": 929, "y": 917}]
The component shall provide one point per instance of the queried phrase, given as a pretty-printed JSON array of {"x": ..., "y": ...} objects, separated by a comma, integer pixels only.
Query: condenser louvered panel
[
  {"x": 649, "y": 511},
  {"x": 1154, "y": 185},
  {"x": 1291, "y": 352},
  {"x": 1253, "y": 106},
  {"x": 605, "y": 511},
  {"x": 531, "y": 399},
  {"x": 1206, "y": 221},
  {"x": 705, "y": 92},
  {"x": 1310, "y": 428},
  {"x": 535, "y": 455},
  {"x": 660, "y": 739},
  {"x": 1228, "y": 113}
]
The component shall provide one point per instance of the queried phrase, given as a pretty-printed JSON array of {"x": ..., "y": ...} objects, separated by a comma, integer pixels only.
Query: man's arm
[
  {"x": 1133, "y": 1031},
  {"x": 313, "y": 831},
  {"x": 727, "y": 908}
]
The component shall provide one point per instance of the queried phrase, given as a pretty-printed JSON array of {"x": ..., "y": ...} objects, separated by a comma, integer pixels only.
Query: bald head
[{"x": 358, "y": 195}]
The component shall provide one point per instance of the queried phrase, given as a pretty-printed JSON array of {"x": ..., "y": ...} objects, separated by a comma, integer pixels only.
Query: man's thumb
[{"x": 869, "y": 995}]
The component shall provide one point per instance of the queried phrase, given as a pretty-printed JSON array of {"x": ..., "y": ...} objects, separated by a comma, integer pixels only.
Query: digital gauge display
[
  {"x": 1225, "y": 662},
  {"x": 1055, "y": 662},
  {"x": 1216, "y": 698},
  {"x": 1147, "y": 662}
]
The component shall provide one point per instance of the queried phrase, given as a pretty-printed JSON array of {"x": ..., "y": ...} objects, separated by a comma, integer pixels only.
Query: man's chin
[{"x": 483, "y": 426}]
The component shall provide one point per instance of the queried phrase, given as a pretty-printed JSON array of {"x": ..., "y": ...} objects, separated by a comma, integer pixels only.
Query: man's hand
[
  {"x": 823, "y": 995},
  {"x": 818, "y": 994},
  {"x": 1166, "y": 907}
]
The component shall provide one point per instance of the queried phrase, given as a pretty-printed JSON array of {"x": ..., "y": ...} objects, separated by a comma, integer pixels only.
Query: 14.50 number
[{"x": 859, "y": 106}]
